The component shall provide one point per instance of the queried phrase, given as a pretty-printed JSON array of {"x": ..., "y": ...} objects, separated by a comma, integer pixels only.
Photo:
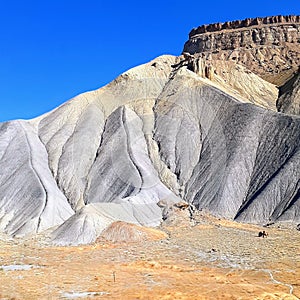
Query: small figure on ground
[{"x": 262, "y": 234}]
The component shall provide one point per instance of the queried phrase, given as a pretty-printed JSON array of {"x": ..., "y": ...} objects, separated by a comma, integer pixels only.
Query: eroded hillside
[{"x": 196, "y": 128}]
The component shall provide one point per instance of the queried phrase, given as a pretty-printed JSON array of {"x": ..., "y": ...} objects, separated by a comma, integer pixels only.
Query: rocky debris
[
  {"x": 181, "y": 205},
  {"x": 267, "y": 46},
  {"x": 175, "y": 213},
  {"x": 268, "y": 224},
  {"x": 182, "y": 214},
  {"x": 289, "y": 96}
]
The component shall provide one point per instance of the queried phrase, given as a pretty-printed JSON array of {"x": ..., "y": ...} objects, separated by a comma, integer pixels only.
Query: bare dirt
[{"x": 215, "y": 259}]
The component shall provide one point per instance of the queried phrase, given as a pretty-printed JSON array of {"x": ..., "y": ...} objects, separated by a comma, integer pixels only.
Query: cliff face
[
  {"x": 245, "y": 23},
  {"x": 267, "y": 46},
  {"x": 289, "y": 96}
]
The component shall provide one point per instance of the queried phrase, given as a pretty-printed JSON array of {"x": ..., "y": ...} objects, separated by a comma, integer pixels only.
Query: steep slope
[
  {"x": 234, "y": 79},
  {"x": 30, "y": 200},
  {"x": 289, "y": 96},
  {"x": 188, "y": 127},
  {"x": 75, "y": 133},
  {"x": 96, "y": 150},
  {"x": 234, "y": 159},
  {"x": 238, "y": 153}
]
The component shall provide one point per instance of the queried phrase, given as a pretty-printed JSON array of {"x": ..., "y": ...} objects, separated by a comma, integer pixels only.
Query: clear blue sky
[{"x": 53, "y": 50}]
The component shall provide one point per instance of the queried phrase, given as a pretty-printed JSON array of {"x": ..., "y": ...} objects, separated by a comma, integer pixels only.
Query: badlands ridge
[{"x": 217, "y": 127}]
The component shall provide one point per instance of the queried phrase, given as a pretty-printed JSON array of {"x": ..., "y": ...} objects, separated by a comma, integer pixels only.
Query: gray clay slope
[
  {"x": 289, "y": 96},
  {"x": 155, "y": 133}
]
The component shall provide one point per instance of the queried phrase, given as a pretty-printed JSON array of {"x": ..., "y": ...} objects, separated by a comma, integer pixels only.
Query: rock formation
[
  {"x": 191, "y": 128},
  {"x": 267, "y": 46},
  {"x": 245, "y": 23},
  {"x": 289, "y": 96}
]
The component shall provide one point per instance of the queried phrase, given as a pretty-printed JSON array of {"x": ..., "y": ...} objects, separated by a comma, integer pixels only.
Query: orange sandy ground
[{"x": 171, "y": 268}]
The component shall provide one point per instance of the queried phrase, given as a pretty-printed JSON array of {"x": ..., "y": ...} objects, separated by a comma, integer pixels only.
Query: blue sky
[{"x": 53, "y": 50}]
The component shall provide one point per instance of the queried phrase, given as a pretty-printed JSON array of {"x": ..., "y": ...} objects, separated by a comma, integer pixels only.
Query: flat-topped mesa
[
  {"x": 244, "y": 23},
  {"x": 269, "y": 46}
]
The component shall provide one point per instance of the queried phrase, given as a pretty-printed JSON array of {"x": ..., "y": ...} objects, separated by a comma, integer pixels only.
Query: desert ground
[{"x": 211, "y": 259}]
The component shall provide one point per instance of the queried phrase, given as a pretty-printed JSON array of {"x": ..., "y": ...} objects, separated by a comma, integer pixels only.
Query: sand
[{"x": 215, "y": 259}]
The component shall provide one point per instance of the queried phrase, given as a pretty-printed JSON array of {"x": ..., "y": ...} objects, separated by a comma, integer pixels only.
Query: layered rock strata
[{"x": 267, "y": 46}]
